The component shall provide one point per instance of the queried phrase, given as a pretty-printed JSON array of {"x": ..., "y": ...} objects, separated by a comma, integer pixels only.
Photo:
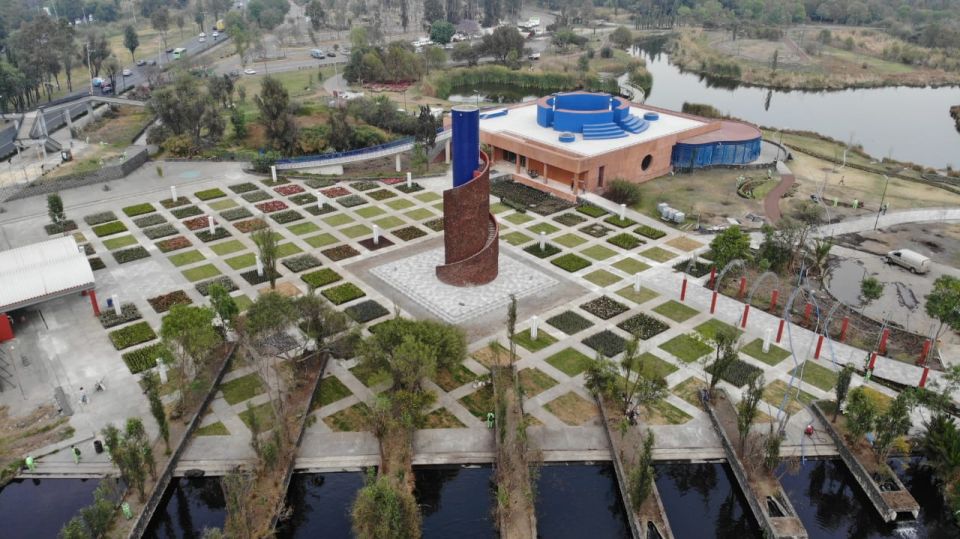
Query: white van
[{"x": 912, "y": 260}]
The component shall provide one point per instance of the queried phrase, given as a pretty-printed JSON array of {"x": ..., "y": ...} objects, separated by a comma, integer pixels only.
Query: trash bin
[
  {"x": 97, "y": 446},
  {"x": 109, "y": 303}
]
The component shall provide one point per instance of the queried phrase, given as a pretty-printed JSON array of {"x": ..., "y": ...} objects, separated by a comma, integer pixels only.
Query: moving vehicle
[
  {"x": 96, "y": 82},
  {"x": 331, "y": 54},
  {"x": 202, "y": 34},
  {"x": 534, "y": 56},
  {"x": 316, "y": 53},
  {"x": 911, "y": 260},
  {"x": 127, "y": 73},
  {"x": 179, "y": 53},
  {"x": 106, "y": 88},
  {"x": 220, "y": 26},
  {"x": 202, "y": 40},
  {"x": 215, "y": 34},
  {"x": 250, "y": 71},
  {"x": 141, "y": 62}
]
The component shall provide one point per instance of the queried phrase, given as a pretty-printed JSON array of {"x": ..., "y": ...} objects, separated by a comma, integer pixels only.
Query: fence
[{"x": 291, "y": 162}]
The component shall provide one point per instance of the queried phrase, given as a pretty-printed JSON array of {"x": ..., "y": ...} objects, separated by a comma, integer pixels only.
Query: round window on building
[{"x": 645, "y": 164}]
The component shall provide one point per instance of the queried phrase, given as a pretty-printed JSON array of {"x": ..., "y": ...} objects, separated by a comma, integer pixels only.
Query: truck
[
  {"x": 179, "y": 53},
  {"x": 220, "y": 25},
  {"x": 911, "y": 260}
]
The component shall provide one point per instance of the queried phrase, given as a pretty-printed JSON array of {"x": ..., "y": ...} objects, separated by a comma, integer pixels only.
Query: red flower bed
[
  {"x": 173, "y": 244},
  {"x": 272, "y": 206},
  {"x": 335, "y": 192},
  {"x": 249, "y": 225},
  {"x": 287, "y": 190},
  {"x": 393, "y": 181},
  {"x": 163, "y": 303},
  {"x": 196, "y": 223}
]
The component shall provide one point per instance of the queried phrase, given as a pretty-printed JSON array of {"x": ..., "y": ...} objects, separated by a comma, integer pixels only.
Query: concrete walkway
[
  {"x": 870, "y": 222},
  {"x": 771, "y": 202}
]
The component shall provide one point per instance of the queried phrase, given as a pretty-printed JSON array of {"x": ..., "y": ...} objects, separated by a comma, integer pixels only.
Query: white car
[
  {"x": 127, "y": 72},
  {"x": 203, "y": 34},
  {"x": 202, "y": 40},
  {"x": 215, "y": 34},
  {"x": 250, "y": 71}
]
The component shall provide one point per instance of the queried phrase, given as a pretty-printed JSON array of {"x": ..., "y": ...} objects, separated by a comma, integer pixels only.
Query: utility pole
[
  {"x": 89, "y": 68},
  {"x": 882, "y": 197}
]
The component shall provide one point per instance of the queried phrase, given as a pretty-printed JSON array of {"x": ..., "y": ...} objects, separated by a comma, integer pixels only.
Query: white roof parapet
[{"x": 42, "y": 271}]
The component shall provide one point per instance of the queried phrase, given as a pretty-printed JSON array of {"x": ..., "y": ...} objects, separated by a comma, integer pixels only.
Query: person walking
[
  {"x": 76, "y": 454},
  {"x": 83, "y": 396}
]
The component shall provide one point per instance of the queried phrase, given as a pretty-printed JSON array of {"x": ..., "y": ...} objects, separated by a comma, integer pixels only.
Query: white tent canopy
[{"x": 35, "y": 273}]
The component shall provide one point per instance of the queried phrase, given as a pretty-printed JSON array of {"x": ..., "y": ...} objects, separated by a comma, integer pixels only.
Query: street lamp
[{"x": 886, "y": 181}]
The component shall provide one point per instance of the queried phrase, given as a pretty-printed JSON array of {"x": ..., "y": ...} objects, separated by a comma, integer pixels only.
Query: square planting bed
[
  {"x": 409, "y": 233},
  {"x": 285, "y": 217},
  {"x": 139, "y": 209},
  {"x": 164, "y": 302},
  {"x": 320, "y": 278},
  {"x": 300, "y": 263},
  {"x": 370, "y": 246},
  {"x": 591, "y": 210},
  {"x": 289, "y": 189},
  {"x": 569, "y": 322},
  {"x": 381, "y": 194},
  {"x": 343, "y": 293},
  {"x": 206, "y": 237},
  {"x": 303, "y": 199},
  {"x": 319, "y": 183},
  {"x": 366, "y": 311},
  {"x": 149, "y": 220},
  {"x": 169, "y": 203},
  {"x": 173, "y": 244},
  {"x": 209, "y": 194},
  {"x": 340, "y": 252},
  {"x": 643, "y": 326},
  {"x": 235, "y": 214},
  {"x": 241, "y": 188},
  {"x": 132, "y": 335},
  {"x": 255, "y": 196},
  {"x": 335, "y": 192},
  {"x": 595, "y": 230},
  {"x": 100, "y": 218},
  {"x": 606, "y": 342},
  {"x": 625, "y": 241},
  {"x": 272, "y": 206},
  {"x": 548, "y": 250},
  {"x": 161, "y": 231},
  {"x": 223, "y": 281},
  {"x": 253, "y": 278},
  {"x": 188, "y": 211},
  {"x": 250, "y": 225},
  {"x": 604, "y": 308},
  {"x": 129, "y": 255},
  {"x": 109, "y": 229},
  {"x": 570, "y": 262}
]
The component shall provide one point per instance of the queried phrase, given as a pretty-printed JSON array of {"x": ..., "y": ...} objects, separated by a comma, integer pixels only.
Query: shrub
[
  {"x": 284, "y": 217},
  {"x": 335, "y": 192},
  {"x": 100, "y": 218},
  {"x": 408, "y": 233},
  {"x": 548, "y": 250},
  {"x": 209, "y": 194},
  {"x": 738, "y": 373},
  {"x": 244, "y": 187},
  {"x": 300, "y": 263},
  {"x": 59, "y": 228},
  {"x": 569, "y": 219},
  {"x": 698, "y": 269},
  {"x": 250, "y": 225},
  {"x": 109, "y": 229},
  {"x": 345, "y": 347},
  {"x": 319, "y": 183},
  {"x": 145, "y": 358},
  {"x": 591, "y": 210},
  {"x": 164, "y": 302},
  {"x": 288, "y": 190},
  {"x": 366, "y": 311},
  {"x": 340, "y": 252},
  {"x": 434, "y": 224},
  {"x": 303, "y": 199},
  {"x": 235, "y": 213},
  {"x": 414, "y": 187},
  {"x": 643, "y": 326},
  {"x": 196, "y": 223},
  {"x": 255, "y": 196},
  {"x": 169, "y": 203},
  {"x": 263, "y": 161},
  {"x": 518, "y": 195},
  {"x": 604, "y": 308},
  {"x": 319, "y": 210},
  {"x": 606, "y": 342},
  {"x": 650, "y": 232},
  {"x": 570, "y": 262},
  {"x": 596, "y": 230},
  {"x": 352, "y": 201},
  {"x": 161, "y": 231},
  {"x": 128, "y": 313},
  {"x": 129, "y": 255},
  {"x": 623, "y": 192},
  {"x": 189, "y": 211},
  {"x": 139, "y": 209},
  {"x": 96, "y": 263},
  {"x": 320, "y": 278},
  {"x": 343, "y": 293},
  {"x": 364, "y": 185},
  {"x": 150, "y": 220},
  {"x": 625, "y": 241},
  {"x": 206, "y": 237},
  {"x": 271, "y": 206},
  {"x": 87, "y": 249},
  {"x": 132, "y": 335},
  {"x": 569, "y": 322},
  {"x": 381, "y": 194},
  {"x": 616, "y": 221},
  {"x": 173, "y": 244},
  {"x": 224, "y": 281},
  {"x": 254, "y": 279}
]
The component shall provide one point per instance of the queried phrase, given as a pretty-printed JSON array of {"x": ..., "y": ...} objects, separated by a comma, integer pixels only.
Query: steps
[
  {"x": 634, "y": 125},
  {"x": 602, "y": 131}
]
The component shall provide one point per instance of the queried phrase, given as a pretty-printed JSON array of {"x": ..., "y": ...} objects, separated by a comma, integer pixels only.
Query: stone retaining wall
[{"x": 136, "y": 157}]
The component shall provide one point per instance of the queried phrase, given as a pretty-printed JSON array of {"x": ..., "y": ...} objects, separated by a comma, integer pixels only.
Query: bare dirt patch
[
  {"x": 573, "y": 409},
  {"x": 21, "y": 435}
]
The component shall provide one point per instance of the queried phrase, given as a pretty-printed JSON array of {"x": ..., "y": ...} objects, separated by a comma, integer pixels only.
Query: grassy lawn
[
  {"x": 710, "y": 328},
  {"x": 630, "y": 266},
  {"x": 320, "y": 240},
  {"x": 516, "y": 238},
  {"x": 570, "y": 361},
  {"x": 243, "y": 388},
  {"x": 441, "y": 418},
  {"x": 399, "y": 204},
  {"x": 287, "y": 249},
  {"x": 329, "y": 391},
  {"x": 188, "y": 257},
  {"x": 427, "y": 197},
  {"x": 303, "y": 228},
  {"x": 816, "y": 375},
  {"x": 644, "y": 295},
  {"x": 658, "y": 254},
  {"x": 350, "y": 419},
  {"x": 544, "y": 340},
  {"x": 774, "y": 392},
  {"x": 686, "y": 348},
  {"x": 227, "y": 247},
  {"x": 773, "y": 357},
  {"x": 418, "y": 214},
  {"x": 263, "y": 414},
  {"x": 452, "y": 379},
  {"x": 676, "y": 311},
  {"x": 652, "y": 366},
  {"x": 200, "y": 273},
  {"x": 213, "y": 429},
  {"x": 546, "y": 228},
  {"x": 534, "y": 381},
  {"x": 368, "y": 376},
  {"x": 498, "y": 207},
  {"x": 684, "y": 243},
  {"x": 662, "y": 412},
  {"x": 601, "y": 278},
  {"x": 356, "y": 231},
  {"x": 569, "y": 240},
  {"x": 689, "y": 390},
  {"x": 480, "y": 402},
  {"x": 242, "y": 261},
  {"x": 116, "y": 243},
  {"x": 223, "y": 204},
  {"x": 242, "y": 302},
  {"x": 369, "y": 211},
  {"x": 572, "y": 409},
  {"x": 518, "y": 218},
  {"x": 880, "y": 400},
  {"x": 389, "y": 222},
  {"x": 338, "y": 219},
  {"x": 598, "y": 252}
]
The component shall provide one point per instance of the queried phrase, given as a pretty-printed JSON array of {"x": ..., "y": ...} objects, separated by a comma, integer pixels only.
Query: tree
[
  {"x": 199, "y": 17},
  {"x": 727, "y": 354},
  {"x": 730, "y": 245},
  {"x": 274, "y": 105},
  {"x": 427, "y": 126},
  {"x": 642, "y": 474},
  {"x": 341, "y": 132},
  {"x": 635, "y": 387},
  {"x": 943, "y": 304},
  {"x": 441, "y": 32},
  {"x": 184, "y": 109},
  {"x": 503, "y": 40},
  {"x": 622, "y": 37},
  {"x": 385, "y": 509},
  {"x": 315, "y": 11},
  {"x": 266, "y": 243},
  {"x": 435, "y": 56},
  {"x": 512, "y": 327},
  {"x": 892, "y": 424},
  {"x": 774, "y": 60},
  {"x": 160, "y": 21},
  {"x": 180, "y": 21},
  {"x": 860, "y": 413},
  {"x": 131, "y": 453},
  {"x": 188, "y": 331},
  {"x": 224, "y": 305},
  {"x": 242, "y": 36},
  {"x": 747, "y": 409},
  {"x": 411, "y": 350},
  {"x": 55, "y": 209},
  {"x": 318, "y": 321},
  {"x": 870, "y": 289},
  {"x": 74, "y": 529},
  {"x": 600, "y": 376},
  {"x": 219, "y": 7},
  {"x": 842, "y": 387},
  {"x": 465, "y": 52},
  {"x": 819, "y": 252},
  {"x": 131, "y": 40},
  {"x": 239, "y": 123},
  {"x": 151, "y": 385}
]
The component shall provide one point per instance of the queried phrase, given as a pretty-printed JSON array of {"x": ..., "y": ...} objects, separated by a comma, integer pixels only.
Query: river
[{"x": 909, "y": 124}]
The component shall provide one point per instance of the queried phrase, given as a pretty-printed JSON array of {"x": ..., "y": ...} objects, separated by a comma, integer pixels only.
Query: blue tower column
[{"x": 466, "y": 142}]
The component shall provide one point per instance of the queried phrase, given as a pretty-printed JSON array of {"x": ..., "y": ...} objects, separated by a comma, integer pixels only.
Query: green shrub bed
[
  {"x": 235, "y": 213},
  {"x": 414, "y": 187},
  {"x": 254, "y": 279},
  {"x": 139, "y": 209},
  {"x": 129, "y": 255},
  {"x": 206, "y": 237},
  {"x": 145, "y": 358},
  {"x": 169, "y": 203},
  {"x": 596, "y": 230},
  {"x": 319, "y": 210},
  {"x": 132, "y": 335},
  {"x": 255, "y": 196},
  {"x": 300, "y": 263},
  {"x": 366, "y": 311},
  {"x": 569, "y": 219},
  {"x": 625, "y": 241},
  {"x": 739, "y": 373},
  {"x": 548, "y": 250},
  {"x": 100, "y": 218},
  {"x": 569, "y": 322},
  {"x": 224, "y": 281},
  {"x": 570, "y": 262},
  {"x": 351, "y": 201},
  {"x": 288, "y": 216},
  {"x": 244, "y": 187},
  {"x": 209, "y": 194},
  {"x": 643, "y": 326},
  {"x": 60, "y": 228},
  {"x": 343, "y": 293},
  {"x": 604, "y": 307},
  {"x": 606, "y": 342},
  {"x": 364, "y": 185},
  {"x": 381, "y": 194},
  {"x": 96, "y": 263},
  {"x": 164, "y": 302},
  {"x": 591, "y": 210},
  {"x": 622, "y": 223},
  {"x": 340, "y": 252},
  {"x": 161, "y": 231},
  {"x": 319, "y": 183},
  {"x": 408, "y": 233},
  {"x": 320, "y": 278},
  {"x": 150, "y": 220},
  {"x": 516, "y": 194},
  {"x": 189, "y": 211},
  {"x": 109, "y": 229},
  {"x": 270, "y": 182},
  {"x": 128, "y": 313},
  {"x": 650, "y": 232},
  {"x": 435, "y": 225},
  {"x": 303, "y": 199}
]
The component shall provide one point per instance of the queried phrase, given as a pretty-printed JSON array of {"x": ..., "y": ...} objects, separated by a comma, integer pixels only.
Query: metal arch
[
  {"x": 690, "y": 265},
  {"x": 737, "y": 263},
  {"x": 760, "y": 281},
  {"x": 787, "y": 309},
  {"x": 826, "y": 330}
]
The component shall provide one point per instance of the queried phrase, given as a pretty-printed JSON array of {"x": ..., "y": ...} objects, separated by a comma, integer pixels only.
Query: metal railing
[{"x": 395, "y": 146}]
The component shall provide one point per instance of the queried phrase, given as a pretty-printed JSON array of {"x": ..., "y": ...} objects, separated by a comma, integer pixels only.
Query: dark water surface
[
  {"x": 321, "y": 504},
  {"x": 40, "y": 507},
  {"x": 580, "y": 501},
  {"x": 189, "y": 506},
  {"x": 456, "y": 501},
  {"x": 703, "y": 501}
]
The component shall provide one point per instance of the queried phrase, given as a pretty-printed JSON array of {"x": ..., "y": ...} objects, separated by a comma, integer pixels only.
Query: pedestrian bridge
[{"x": 355, "y": 156}]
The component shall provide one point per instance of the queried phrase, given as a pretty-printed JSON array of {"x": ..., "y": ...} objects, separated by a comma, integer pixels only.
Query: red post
[
  {"x": 93, "y": 301},
  {"x": 780, "y": 331},
  {"x": 713, "y": 303},
  {"x": 816, "y": 353},
  {"x": 773, "y": 299},
  {"x": 924, "y": 352},
  {"x": 923, "y": 377},
  {"x": 713, "y": 275},
  {"x": 683, "y": 289},
  {"x": 843, "y": 328},
  {"x": 873, "y": 361},
  {"x": 882, "y": 349},
  {"x": 746, "y": 313},
  {"x": 743, "y": 287},
  {"x": 806, "y": 313}
]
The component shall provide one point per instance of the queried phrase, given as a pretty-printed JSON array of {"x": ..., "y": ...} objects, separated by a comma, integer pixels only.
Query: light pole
[{"x": 882, "y": 197}]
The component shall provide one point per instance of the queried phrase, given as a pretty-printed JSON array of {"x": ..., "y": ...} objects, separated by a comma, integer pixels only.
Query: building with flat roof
[{"x": 578, "y": 141}]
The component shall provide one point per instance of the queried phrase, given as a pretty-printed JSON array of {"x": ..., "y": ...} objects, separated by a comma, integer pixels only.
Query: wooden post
[{"x": 683, "y": 290}]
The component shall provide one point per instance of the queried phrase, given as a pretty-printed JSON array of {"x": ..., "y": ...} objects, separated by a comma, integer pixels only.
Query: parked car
[
  {"x": 215, "y": 34},
  {"x": 127, "y": 72},
  {"x": 250, "y": 71},
  {"x": 141, "y": 62},
  {"x": 316, "y": 53},
  {"x": 331, "y": 54},
  {"x": 97, "y": 82},
  {"x": 912, "y": 260},
  {"x": 106, "y": 88},
  {"x": 203, "y": 34},
  {"x": 202, "y": 40}
]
